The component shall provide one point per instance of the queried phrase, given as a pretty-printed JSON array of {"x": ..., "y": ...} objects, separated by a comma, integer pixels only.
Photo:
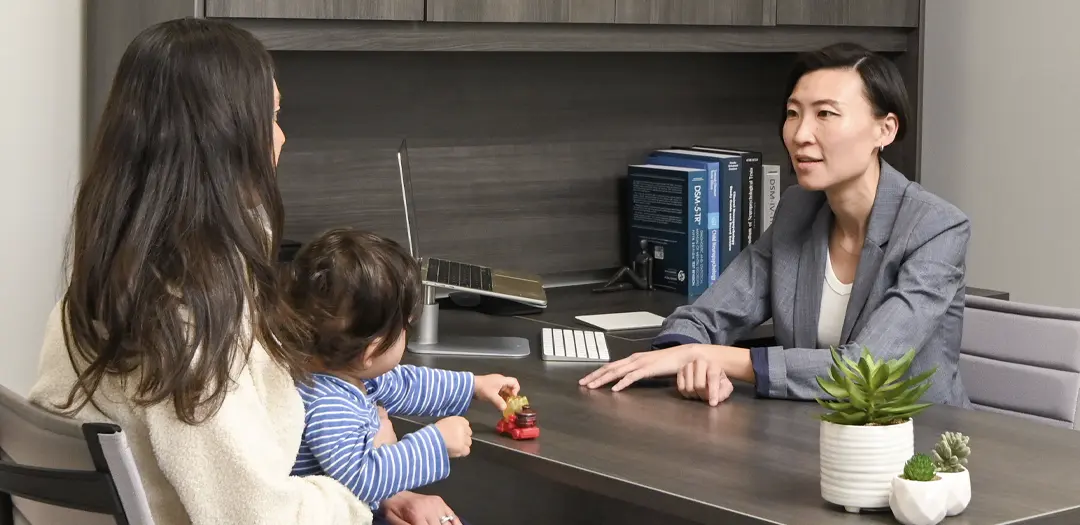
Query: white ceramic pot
[
  {"x": 959, "y": 491},
  {"x": 919, "y": 502},
  {"x": 858, "y": 463}
]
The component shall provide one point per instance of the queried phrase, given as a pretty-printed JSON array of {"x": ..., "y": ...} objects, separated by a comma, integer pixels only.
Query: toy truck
[{"x": 519, "y": 420}]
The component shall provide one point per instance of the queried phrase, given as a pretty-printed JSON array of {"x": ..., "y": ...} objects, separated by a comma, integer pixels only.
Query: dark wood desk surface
[{"x": 746, "y": 461}]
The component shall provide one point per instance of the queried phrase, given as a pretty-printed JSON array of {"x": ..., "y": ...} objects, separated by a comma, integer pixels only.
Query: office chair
[
  {"x": 1022, "y": 359},
  {"x": 55, "y": 470}
]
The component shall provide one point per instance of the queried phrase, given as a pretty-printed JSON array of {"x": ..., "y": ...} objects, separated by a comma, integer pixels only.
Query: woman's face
[
  {"x": 279, "y": 136},
  {"x": 831, "y": 132}
]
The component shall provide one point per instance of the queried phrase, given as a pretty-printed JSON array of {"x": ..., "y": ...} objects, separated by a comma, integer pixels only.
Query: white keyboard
[{"x": 573, "y": 345}]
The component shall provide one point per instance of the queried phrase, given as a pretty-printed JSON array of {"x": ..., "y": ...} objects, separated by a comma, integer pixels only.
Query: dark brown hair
[
  {"x": 176, "y": 223},
  {"x": 356, "y": 288},
  {"x": 882, "y": 81}
]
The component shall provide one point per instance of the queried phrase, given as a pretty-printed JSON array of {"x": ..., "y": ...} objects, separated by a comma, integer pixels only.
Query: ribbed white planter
[
  {"x": 918, "y": 502},
  {"x": 858, "y": 463},
  {"x": 959, "y": 491}
]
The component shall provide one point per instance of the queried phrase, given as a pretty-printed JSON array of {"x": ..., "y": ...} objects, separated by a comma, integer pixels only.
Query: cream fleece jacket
[{"x": 231, "y": 469}]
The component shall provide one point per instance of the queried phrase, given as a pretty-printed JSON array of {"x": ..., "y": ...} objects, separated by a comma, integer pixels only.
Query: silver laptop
[{"x": 460, "y": 276}]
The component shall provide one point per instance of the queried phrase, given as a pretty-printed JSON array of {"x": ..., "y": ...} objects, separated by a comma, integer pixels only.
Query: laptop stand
[{"x": 428, "y": 341}]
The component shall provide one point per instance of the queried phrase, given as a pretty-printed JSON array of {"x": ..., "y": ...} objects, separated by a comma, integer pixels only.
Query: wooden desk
[{"x": 647, "y": 456}]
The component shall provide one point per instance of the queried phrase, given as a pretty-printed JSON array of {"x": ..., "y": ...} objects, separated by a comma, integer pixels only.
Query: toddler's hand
[
  {"x": 491, "y": 387},
  {"x": 457, "y": 434}
]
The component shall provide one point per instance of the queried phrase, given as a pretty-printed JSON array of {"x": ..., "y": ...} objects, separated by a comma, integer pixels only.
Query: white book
[{"x": 770, "y": 193}]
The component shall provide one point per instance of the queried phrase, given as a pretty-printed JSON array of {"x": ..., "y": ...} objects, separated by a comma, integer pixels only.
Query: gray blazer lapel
[
  {"x": 811, "y": 277},
  {"x": 890, "y": 195},
  {"x": 865, "y": 278}
]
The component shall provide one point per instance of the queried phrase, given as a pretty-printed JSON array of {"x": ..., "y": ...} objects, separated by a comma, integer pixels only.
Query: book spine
[
  {"x": 714, "y": 222},
  {"x": 697, "y": 231},
  {"x": 770, "y": 195},
  {"x": 752, "y": 197},
  {"x": 731, "y": 176}
]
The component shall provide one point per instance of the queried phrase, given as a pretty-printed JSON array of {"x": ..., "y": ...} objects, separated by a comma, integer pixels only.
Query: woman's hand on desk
[
  {"x": 701, "y": 370},
  {"x": 704, "y": 379}
]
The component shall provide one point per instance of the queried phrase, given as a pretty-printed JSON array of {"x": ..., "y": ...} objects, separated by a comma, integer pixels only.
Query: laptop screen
[{"x": 407, "y": 199}]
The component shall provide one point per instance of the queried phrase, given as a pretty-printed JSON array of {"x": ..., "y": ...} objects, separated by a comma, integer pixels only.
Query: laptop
[{"x": 461, "y": 276}]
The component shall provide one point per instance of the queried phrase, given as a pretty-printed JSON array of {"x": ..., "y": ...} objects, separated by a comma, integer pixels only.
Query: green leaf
[
  {"x": 837, "y": 362},
  {"x": 839, "y": 406},
  {"x": 864, "y": 369},
  {"x": 858, "y": 398},
  {"x": 832, "y": 388},
  {"x": 845, "y": 418},
  {"x": 906, "y": 409},
  {"x": 898, "y": 367},
  {"x": 836, "y": 375},
  {"x": 879, "y": 378},
  {"x": 904, "y": 385}
]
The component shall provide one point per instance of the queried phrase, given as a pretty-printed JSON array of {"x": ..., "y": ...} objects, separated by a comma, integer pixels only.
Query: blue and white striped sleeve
[
  {"x": 343, "y": 442},
  {"x": 409, "y": 390}
]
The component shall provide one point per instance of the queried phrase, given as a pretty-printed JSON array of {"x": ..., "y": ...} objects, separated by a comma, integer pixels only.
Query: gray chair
[
  {"x": 1022, "y": 359},
  {"x": 55, "y": 470}
]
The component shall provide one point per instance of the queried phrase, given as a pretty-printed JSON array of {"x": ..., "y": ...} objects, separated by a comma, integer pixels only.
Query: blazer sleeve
[
  {"x": 927, "y": 281},
  {"x": 735, "y": 304}
]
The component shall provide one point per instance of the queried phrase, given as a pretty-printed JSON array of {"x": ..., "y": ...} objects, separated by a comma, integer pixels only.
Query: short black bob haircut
[{"x": 883, "y": 83}]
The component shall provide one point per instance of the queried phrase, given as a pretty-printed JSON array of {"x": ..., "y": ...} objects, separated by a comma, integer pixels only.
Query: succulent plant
[
  {"x": 951, "y": 452},
  {"x": 919, "y": 468},
  {"x": 872, "y": 392}
]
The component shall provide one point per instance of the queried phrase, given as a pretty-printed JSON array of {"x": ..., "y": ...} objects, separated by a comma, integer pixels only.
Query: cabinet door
[
  {"x": 551, "y": 11},
  {"x": 323, "y": 9},
  {"x": 866, "y": 13},
  {"x": 693, "y": 12}
]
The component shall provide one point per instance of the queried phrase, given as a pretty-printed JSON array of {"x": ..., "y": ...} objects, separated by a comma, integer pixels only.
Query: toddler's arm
[
  {"x": 343, "y": 442},
  {"x": 421, "y": 391}
]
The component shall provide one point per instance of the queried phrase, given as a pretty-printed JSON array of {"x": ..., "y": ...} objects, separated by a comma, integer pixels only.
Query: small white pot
[
  {"x": 858, "y": 463},
  {"x": 919, "y": 502},
  {"x": 959, "y": 491}
]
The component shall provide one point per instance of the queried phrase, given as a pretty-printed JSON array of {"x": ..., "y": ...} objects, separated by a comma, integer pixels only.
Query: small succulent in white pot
[
  {"x": 868, "y": 434},
  {"x": 950, "y": 459},
  {"x": 919, "y": 495}
]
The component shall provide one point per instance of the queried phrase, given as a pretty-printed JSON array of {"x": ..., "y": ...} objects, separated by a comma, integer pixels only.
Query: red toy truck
[{"x": 519, "y": 420}]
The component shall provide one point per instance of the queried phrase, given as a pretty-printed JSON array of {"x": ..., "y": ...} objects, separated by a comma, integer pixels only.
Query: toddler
[{"x": 361, "y": 292}]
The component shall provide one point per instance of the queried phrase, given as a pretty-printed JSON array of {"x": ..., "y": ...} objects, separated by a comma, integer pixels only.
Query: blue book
[
  {"x": 729, "y": 199},
  {"x": 712, "y": 167},
  {"x": 667, "y": 209}
]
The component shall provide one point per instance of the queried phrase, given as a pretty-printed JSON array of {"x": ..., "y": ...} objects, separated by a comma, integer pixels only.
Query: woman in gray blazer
[{"x": 857, "y": 256}]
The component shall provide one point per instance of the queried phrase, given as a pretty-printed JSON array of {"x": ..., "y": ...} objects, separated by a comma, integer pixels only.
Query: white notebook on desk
[{"x": 622, "y": 321}]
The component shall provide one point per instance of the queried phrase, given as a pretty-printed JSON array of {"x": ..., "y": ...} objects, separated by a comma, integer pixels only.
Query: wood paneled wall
[{"x": 516, "y": 157}]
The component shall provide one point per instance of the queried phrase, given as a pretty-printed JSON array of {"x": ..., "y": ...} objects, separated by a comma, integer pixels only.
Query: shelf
[{"x": 343, "y": 35}]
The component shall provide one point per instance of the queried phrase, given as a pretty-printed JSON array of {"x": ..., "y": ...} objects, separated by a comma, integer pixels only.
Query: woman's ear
[{"x": 888, "y": 126}]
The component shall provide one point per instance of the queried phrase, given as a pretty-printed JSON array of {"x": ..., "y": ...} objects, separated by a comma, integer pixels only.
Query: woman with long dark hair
[{"x": 172, "y": 325}]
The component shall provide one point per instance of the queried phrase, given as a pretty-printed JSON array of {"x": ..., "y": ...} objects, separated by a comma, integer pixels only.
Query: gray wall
[
  {"x": 1000, "y": 137},
  {"x": 40, "y": 141}
]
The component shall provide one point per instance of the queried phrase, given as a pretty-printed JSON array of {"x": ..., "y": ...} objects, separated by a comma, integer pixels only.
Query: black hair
[{"x": 884, "y": 86}]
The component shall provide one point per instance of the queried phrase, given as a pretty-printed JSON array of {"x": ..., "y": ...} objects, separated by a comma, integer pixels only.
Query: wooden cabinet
[
  {"x": 864, "y": 13},
  {"x": 694, "y": 12},
  {"x": 318, "y": 9},
  {"x": 543, "y": 11}
]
